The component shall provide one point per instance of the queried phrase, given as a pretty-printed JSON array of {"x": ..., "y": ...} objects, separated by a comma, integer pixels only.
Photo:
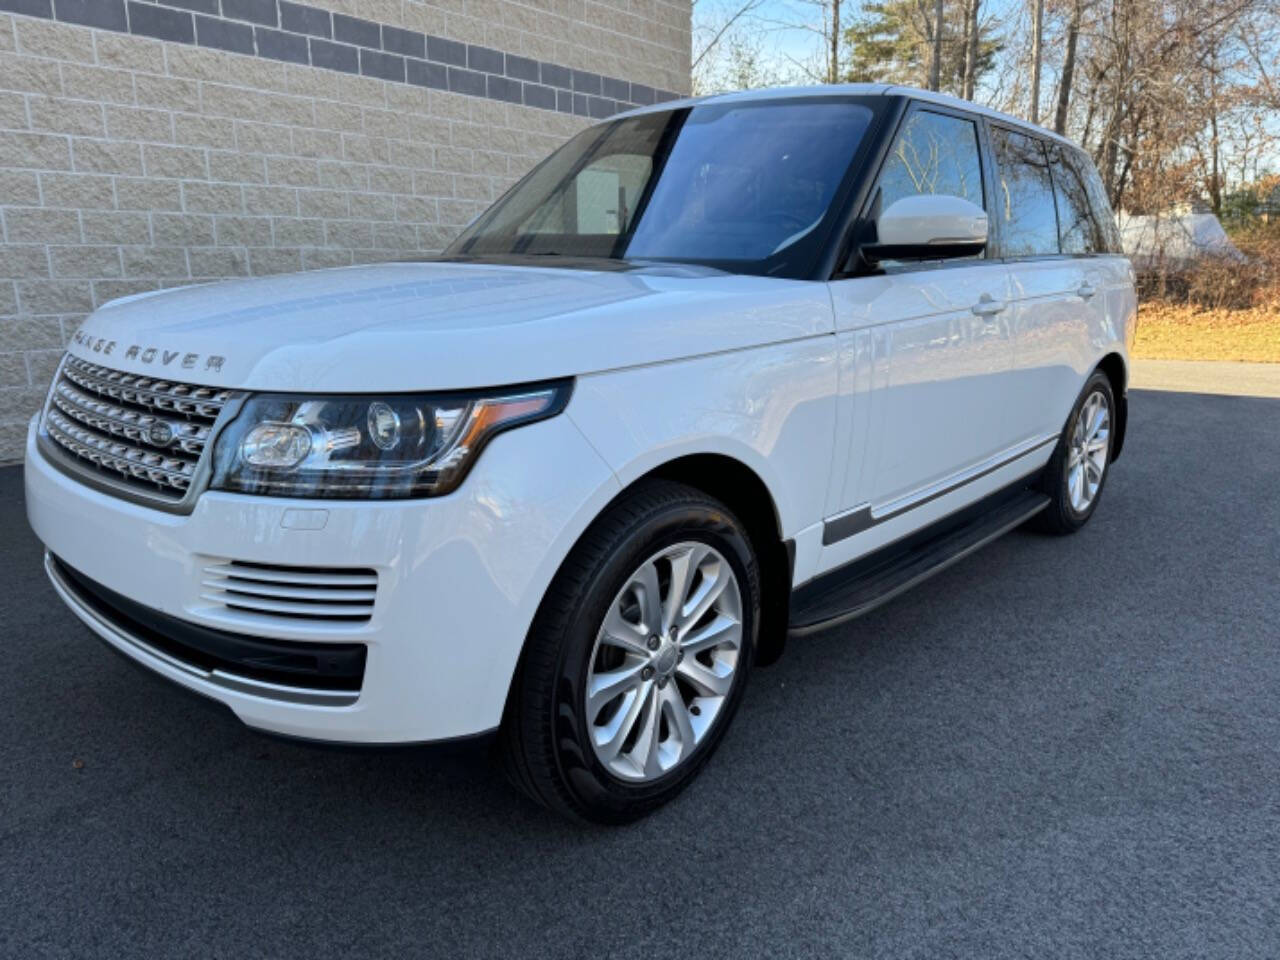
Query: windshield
[{"x": 745, "y": 187}]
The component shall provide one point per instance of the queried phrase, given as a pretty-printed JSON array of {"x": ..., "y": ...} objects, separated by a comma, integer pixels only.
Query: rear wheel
[
  {"x": 1077, "y": 471},
  {"x": 637, "y": 658}
]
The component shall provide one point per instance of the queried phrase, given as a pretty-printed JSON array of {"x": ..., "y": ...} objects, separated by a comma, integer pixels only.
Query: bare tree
[
  {"x": 1068, "y": 66},
  {"x": 1037, "y": 58},
  {"x": 715, "y": 31},
  {"x": 971, "y": 36},
  {"x": 824, "y": 21},
  {"x": 935, "y": 63},
  {"x": 833, "y": 62}
]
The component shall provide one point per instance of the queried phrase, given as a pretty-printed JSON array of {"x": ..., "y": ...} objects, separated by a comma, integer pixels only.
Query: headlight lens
[{"x": 375, "y": 447}]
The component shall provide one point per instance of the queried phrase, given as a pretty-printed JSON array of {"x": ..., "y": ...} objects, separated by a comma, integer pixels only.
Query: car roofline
[{"x": 849, "y": 90}]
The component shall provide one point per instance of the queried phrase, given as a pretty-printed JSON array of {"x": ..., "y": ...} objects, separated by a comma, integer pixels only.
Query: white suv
[{"x": 715, "y": 372}]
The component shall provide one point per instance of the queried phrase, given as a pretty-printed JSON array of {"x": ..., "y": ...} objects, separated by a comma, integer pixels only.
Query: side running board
[{"x": 863, "y": 585}]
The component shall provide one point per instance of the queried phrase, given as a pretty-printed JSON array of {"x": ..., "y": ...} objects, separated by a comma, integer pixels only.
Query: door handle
[
  {"x": 1086, "y": 290},
  {"x": 987, "y": 307}
]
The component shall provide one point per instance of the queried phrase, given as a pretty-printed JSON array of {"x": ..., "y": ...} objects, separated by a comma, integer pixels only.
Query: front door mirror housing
[{"x": 928, "y": 227}]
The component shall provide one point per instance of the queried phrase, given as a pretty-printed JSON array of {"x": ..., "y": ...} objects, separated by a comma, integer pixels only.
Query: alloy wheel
[
  {"x": 664, "y": 662},
  {"x": 1087, "y": 454}
]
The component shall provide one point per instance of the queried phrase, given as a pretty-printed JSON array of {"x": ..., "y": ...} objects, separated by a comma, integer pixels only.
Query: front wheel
[
  {"x": 1077, "y": 471},
  {"x": 637, "y": 658}
]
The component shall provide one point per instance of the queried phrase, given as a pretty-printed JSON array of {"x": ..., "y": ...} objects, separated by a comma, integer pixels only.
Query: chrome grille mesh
[{"x": 143, "y": 432}]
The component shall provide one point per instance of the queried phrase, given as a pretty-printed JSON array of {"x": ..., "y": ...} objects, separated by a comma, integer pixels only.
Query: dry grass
[{"x": 1186, "y": 332}]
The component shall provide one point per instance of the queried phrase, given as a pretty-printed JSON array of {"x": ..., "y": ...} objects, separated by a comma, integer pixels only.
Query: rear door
[
  {"x": 1051, "y": 291},
  {"x": 1086, "y": 234},
  {"x": 926, "y": 348}
]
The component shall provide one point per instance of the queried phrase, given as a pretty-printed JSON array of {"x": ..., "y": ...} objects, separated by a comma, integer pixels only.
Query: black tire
[
  {"x": 544, "y": 738},
  {"x": 1060, "y": 517}
]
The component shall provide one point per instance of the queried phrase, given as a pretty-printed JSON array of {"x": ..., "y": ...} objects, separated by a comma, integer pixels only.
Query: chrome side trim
[
  {"x": 865, "y": 516},
  {"x": 144, "y": 653}
]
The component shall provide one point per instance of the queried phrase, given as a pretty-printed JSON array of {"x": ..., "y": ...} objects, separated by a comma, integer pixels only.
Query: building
[{"x": 149, "y": 144}]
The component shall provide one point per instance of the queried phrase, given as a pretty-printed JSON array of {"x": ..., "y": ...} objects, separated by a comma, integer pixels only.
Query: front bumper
[{"x": 458, "y": 581}]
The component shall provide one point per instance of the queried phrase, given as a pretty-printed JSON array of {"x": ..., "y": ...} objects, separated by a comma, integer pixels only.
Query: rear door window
[
  {"x": 1099, "y": 205},
  {"x": 1078, "y": 231},
  {"x": 1024, "y": 202},
  {"x": 1085, "y": 222}
]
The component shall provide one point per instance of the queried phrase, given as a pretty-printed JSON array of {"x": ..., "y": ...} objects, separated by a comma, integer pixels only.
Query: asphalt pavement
[{"x": 1057, "y": 748}]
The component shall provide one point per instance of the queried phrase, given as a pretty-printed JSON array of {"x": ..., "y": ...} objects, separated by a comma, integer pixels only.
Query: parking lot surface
[{"x": 1057, "y": 748}]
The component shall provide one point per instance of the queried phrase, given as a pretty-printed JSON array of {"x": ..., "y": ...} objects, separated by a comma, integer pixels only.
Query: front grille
[
  {"x": 143, "y": 432},
  {"x": 342, "y": 594}
]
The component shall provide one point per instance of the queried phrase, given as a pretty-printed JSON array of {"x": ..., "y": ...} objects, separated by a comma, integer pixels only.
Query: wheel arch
[
  {"x": 1117, "y": 371},
  {"x": 744, "y": 492}
]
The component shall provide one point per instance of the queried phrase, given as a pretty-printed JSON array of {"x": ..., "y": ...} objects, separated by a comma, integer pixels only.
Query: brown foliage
[{"x": 1214, "y": 283}]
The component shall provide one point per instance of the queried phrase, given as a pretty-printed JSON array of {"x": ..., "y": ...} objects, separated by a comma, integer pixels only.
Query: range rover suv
[{"x": 715, "y": 373}]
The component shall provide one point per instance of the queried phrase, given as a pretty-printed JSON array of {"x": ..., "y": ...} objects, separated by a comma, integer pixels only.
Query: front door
[{"x": 927, "y": 348}]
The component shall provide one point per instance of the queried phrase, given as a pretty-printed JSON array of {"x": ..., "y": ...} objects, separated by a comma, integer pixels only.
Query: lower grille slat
[{"x": 343, "y": 595}]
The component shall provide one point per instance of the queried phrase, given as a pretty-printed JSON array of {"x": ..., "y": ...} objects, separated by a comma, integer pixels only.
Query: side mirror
[{"x": 928, "y": 227}]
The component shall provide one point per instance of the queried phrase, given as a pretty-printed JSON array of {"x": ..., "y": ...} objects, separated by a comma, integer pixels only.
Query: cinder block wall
[{"x": 148, "y": 144}]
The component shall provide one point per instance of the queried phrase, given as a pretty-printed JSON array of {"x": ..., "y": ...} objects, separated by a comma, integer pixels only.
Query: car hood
[{"x": 441, "y": 325}]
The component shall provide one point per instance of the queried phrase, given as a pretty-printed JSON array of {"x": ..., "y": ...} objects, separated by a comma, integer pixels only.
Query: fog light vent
[{"x": 344, "y": 594}]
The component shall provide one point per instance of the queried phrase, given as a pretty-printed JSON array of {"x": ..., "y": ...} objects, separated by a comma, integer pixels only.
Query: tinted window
[
  {"x": 934, "y": 153},
  {"x": 1028, "y": 221},
  {"x": 746, "y": 187},
  {"x": 1085, "y": 222},
  {"x": 1078, "y": 232},
  {"x": 1099, "y": 206},
  {"x": 601, "y": 200}
]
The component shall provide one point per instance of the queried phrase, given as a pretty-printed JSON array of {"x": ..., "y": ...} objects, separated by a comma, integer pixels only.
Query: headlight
[{"x": 386, "y": 446}]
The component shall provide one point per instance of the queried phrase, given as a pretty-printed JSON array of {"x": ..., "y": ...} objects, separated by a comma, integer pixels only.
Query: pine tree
[{"x": 890, "y": 43}]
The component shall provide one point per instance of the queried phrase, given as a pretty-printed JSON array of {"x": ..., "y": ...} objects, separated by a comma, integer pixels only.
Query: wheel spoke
[
  {"x": 1082, "y": 423},
  {"x": 645, "y": 751},
  {"x": 605, "y": 687},
  {"x": 684, "y": 568},
  {"x": 709, "y": 592},
  {"x": 649, "y": 595},
  {"x": 1098, "y": 420},
  {"x": 610, "y": 737},
  {"x": 619, "y": 632},
  {"x": 705, "y": 680},
  {"x": 721, "y": 630},
  {"x": 678, "y": 716}
]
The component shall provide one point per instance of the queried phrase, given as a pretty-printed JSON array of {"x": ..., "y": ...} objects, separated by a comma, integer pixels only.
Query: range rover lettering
[{"x": 716, "y": 373}]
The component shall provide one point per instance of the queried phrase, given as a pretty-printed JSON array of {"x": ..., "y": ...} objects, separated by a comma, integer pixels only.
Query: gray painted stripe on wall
[{"x": 300, "y": 33}]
